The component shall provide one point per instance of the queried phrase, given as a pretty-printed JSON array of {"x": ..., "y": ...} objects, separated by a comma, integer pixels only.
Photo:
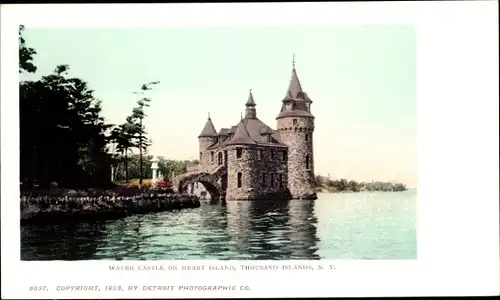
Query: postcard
[{"x": 226, "y": 150}]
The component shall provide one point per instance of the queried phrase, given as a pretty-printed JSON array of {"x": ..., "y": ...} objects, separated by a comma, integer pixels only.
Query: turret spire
[
  {"x": 208, "y": 129},
  {"x": 250, "y": 111},
  {"x": 296, "y": 101},
  {"x": 294, "y": 87},
  {"x": 250, "y": 101}
]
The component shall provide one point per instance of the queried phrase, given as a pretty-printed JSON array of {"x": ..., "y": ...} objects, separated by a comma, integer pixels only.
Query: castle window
[
  {"x": 239, "y": 152},
  {"x": 259, "y": 154},
  {"x": 272, "y": 179},
  {"x": 239, "y": 180},
  {"x": 219, "y": 158},
  {"x": 225, "y": 156},
  {"x": 284, "y": 154},
  {"x": 307, "y": 137},
  {"x": 272, "y": 154},
  {"x": 307, "y": 162},
  {"x": 211, "y": 156},
  {"x": 280, "y": 180},
  {"x": 201, "y": 155},
  {"x": 294, "y": 121},
  {"x": 263, "y": 183}
]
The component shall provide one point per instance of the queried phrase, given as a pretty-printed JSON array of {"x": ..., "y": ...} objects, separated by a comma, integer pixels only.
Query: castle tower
[
  {"x": 296, "y": 126},
  {"x": 241, "y": 169},
  {"x": 207, "y": 138}
]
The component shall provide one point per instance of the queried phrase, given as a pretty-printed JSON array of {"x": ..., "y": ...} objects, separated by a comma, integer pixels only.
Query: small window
[
  {"x": 307, "y": 162},
  {"x": 272, "y": 179},
  {"x": 280, "y": 180},
  {"x": 239, "y": 152},
  {"x": 284, "y": 155},
  {"x": 263, "y": 179},
  {"x": 294, "y": 121},
  {"x": 239, "y": 179},
  {"x": 219, "y": 158},
  {"x": 259, "y": 154},
  {"x": 272, "y": 154},
  {"x": 201, "y": 155},
  {"x": 212, "y": 156},
  {"x": 307, "y": 137}
]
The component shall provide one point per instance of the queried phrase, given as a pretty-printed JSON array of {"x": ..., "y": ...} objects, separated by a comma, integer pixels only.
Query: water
[{"x": 368, "y": 225}]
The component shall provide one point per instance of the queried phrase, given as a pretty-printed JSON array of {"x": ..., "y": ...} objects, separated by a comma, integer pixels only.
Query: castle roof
[
  {"x": 208, "y": 130},
  {"x": 266, "y": 130},
  {"x": 241, "y": 136},
  {"x": 250, "y": 101},
  {"x": 224, "y": 131},
  {"x": 249, "y": 131},
  {"x": 294, "y": 87},
  {"x": 296, "y": 97}
]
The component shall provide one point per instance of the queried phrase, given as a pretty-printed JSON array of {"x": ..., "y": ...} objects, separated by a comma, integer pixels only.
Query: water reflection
[
  {"x": 61, "y": 241},
  {"x": 332, "y": 227},
  {"x": 302, "y": 226},
  {"x": 213, "y": 238},
  {"x": 267, "y": 230}
]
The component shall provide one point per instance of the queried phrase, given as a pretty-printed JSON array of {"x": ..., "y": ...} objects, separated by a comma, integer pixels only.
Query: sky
[{"x": 361, "y": 79}]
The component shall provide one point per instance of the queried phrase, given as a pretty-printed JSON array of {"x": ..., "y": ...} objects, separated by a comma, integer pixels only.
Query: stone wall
[
  {"x": 204, "y": 160},
  {"x": 300, "y": 176},
  {"x": 58, "y": 208},
  {"x": 244, "y": 165},
  {"x": 252, "y": 166},
  {"x": 212, "y": 164},
  {"x": 268, "y": 167}
]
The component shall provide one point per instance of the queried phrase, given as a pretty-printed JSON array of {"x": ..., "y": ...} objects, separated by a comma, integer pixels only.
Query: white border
[{"x": 457, "y": 152}]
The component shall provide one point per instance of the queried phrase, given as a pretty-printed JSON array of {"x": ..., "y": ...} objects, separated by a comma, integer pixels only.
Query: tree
[
  {"x": 62, "y": 135},
  {"x": 123, "y": 135},
  {"x": 26, "y": 54},
  {"x": 138, "y": 114}
]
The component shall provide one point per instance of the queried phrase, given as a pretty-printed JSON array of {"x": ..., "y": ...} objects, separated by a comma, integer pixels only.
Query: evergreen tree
[{"x": 62, "y": 134}]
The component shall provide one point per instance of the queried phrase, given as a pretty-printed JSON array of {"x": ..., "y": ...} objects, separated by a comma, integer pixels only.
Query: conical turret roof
[
  {"x": 250, "y": 101},
  {"x": 208, "y": 130},
  {"x": 241, "y": 136},
  {"x": 294, "y": 87}
]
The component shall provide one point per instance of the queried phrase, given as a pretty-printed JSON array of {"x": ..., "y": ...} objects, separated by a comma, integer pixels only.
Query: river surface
[{"x": 367, "y": 225}]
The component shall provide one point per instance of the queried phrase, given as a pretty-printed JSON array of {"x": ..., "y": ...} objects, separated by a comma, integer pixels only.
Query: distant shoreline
[
  {"x": 325, "y": 191},
  {"x": 326, "y": 185}
]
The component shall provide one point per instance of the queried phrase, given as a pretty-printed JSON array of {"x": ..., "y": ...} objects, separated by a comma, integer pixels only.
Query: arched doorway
[{"x": 208, "y": 181}]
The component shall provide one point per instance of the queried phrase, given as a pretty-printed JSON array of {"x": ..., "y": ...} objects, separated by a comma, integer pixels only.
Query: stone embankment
[{"x": 74, "y": 206}]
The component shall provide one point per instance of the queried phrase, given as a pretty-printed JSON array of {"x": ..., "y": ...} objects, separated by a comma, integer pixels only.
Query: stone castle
[{"x": 251, "y": 160}]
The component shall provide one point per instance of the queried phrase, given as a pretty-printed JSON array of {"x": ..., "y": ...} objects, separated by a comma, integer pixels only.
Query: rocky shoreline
[{"x": 55, "y": 207}]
